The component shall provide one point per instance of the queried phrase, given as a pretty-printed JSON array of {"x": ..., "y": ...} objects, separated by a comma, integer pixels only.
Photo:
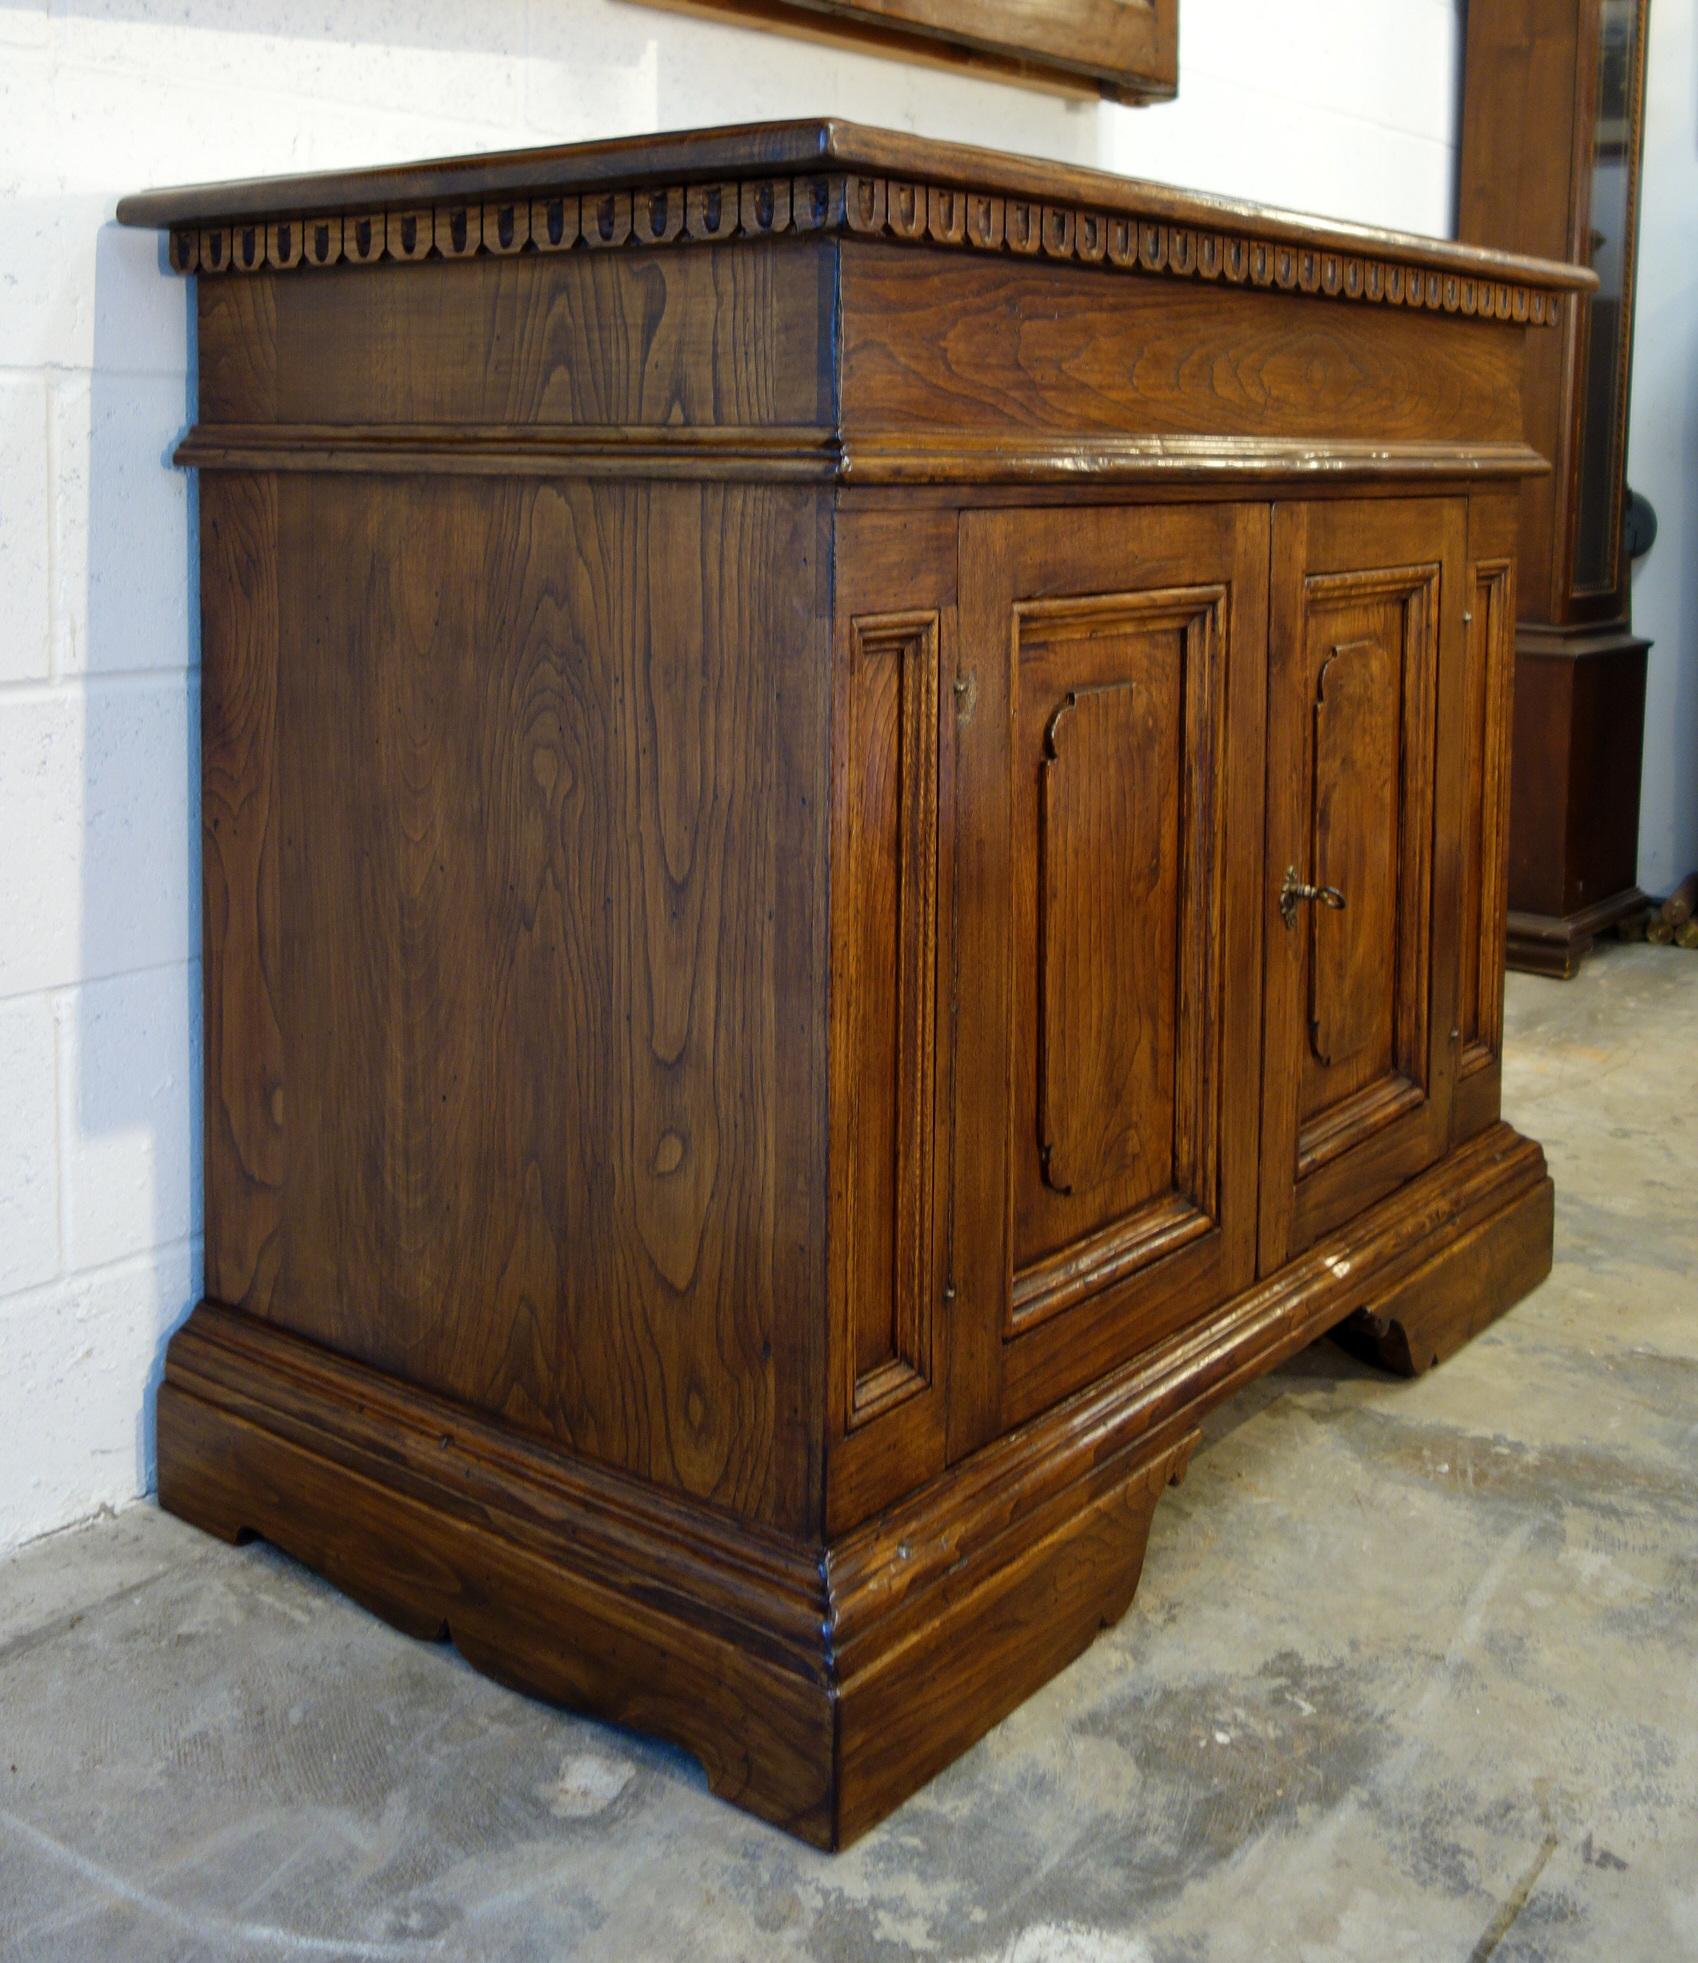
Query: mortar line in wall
[
  {"x": 490, "y": 132},
  {"x": 61, "y": 1231},
  {"x": 53, "y": 990},
  {"x": 1310, "y": 107},
  {"x": 50, "y": 445},
  {"x": 59, "y": 370},
  {"x": 101, "y": 1270},
  {"x": 55, "y": 687}
]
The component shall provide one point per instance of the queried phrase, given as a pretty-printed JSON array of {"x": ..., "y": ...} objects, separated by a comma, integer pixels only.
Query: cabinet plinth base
[
  {"x": 1452, "y": 1297},
  {"x": 1574, "y": 806},
  {"x": 819, "y": 1684},
  {"x": 1540, "y": 944}
]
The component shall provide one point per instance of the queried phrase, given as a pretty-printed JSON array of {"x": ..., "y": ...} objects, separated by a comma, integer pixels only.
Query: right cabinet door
[{"x": 1363, "y": 755}]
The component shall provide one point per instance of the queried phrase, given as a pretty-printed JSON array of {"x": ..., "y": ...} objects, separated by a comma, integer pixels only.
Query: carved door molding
[
  {"x": 1109, "y": 781},
  {"x": 1366, "y": 637}
]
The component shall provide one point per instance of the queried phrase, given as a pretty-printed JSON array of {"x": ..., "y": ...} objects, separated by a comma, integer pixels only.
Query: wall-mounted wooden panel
[{"x": 1126, "y": 50}]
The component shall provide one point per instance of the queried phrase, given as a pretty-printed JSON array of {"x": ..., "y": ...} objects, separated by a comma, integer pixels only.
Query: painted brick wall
[
  {"x": 1342, "y": 106},
  {"x": 1662, "y": 449}
]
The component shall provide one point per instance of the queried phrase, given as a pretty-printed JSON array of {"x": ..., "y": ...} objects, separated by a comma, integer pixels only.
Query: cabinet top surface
[{"x": 777, "y": 150}]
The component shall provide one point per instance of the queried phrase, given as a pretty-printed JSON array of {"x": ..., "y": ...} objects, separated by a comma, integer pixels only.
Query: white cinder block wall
[
  {"x": 1662, "y": 447},
  {"x": 1343, "y": 106}
]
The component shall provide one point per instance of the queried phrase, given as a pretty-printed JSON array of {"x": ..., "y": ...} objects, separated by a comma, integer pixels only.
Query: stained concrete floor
[{"x": 1413, "y": 1672}]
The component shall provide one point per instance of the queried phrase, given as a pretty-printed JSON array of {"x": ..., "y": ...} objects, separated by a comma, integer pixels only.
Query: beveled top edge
[{"x": 684, "y": 156}]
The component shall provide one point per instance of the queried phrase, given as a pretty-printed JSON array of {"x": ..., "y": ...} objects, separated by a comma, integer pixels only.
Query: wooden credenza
[{"x": 854, "y": 860}]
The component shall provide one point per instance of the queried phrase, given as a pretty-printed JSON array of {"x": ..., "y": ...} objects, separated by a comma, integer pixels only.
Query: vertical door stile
[{"x": 1105, "y": 1188}]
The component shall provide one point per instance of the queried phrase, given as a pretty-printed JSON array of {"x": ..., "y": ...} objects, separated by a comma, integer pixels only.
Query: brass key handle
[{"x": 1295, "y": 890}]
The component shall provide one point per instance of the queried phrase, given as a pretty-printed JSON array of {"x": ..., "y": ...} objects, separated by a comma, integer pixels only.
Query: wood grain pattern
[
  {"x": 1533, "y": 118},
  {"x": 939, "y": 342},
  {"x": 797, "y": 20},
  {"x": 903, "y": 209},
  {"x": 943, "y": 195},
  {"x": 1127, "y": 48},
  {"x": 818, "y": 1685},
  {"x": 241, "y": 845},
  {"x": 1366, "y": 633},
  {"x": 1146, "y": 849},
  {"x": 1488, "y": 695},
  {"x": 1459, "y": 1292},
  {"x": 1355, "y": 834},
  {"x": 688, "y": 340},
  {"x": 1525, "y": 181},
  {"x": 1109, "y": 803},
  {"x": 888, "y": 966},
  {"x": 895, "y": 578},
  {"x": 1050, "y": 1271},
  {"x": 1579, "y": 710},
  {"x": 753, "y": 1054},
  {"x": 539, "y": 767}
]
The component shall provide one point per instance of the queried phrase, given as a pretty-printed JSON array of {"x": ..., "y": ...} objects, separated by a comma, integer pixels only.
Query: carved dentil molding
[{"x": 862, "y": 206}]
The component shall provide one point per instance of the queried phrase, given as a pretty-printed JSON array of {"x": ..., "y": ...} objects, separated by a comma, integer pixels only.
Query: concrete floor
[{"x": 1413, "y": 1673}]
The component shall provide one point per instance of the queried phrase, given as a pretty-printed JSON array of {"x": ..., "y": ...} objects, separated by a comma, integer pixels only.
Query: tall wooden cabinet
[
  {"x": 1552, "y": 141},
  {"x": 854, "y": 859}
]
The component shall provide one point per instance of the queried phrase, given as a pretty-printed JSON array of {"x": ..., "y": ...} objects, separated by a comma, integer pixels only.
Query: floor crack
[{"x": 1501, "y": 1923}]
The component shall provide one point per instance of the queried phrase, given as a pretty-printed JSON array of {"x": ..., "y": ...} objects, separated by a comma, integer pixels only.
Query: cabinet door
[
  {"x": 1108, "y": 776},
  {"x": 1366, "y": 628}
]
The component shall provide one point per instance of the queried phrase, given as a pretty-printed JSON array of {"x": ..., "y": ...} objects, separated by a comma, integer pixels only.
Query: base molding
[
  {"x": 1548, "y": 944},
  {"x": 1576, "y": 754},
  {"x": 1451, "y": 1298},
  {"x": 819, "y": 1683}
]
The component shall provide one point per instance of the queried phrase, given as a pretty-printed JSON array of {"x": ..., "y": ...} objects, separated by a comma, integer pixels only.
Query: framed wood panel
[
  {"x": 1126, "y": 50},
  {"x": 1363, "y": 747},
  {"x": 1107, "y": 781}
]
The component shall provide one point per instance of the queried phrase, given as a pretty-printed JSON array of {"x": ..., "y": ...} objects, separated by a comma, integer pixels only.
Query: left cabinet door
[{"x": 1108, "y": 771}]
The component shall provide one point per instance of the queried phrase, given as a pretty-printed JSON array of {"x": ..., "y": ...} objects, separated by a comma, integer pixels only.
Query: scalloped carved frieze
[{"x": 898, "y": 209}]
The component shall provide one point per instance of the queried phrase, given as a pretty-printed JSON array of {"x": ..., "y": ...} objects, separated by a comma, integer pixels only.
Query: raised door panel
[
  {"x": 1487, "y": 691},
  {"x": 889, "y": 873},
  {"x": 890, "y": 894},
  {"x": 1108, "y": 745},
  {"x": 1115, "y": 863},
  {"x": 1365, "y": 629}
]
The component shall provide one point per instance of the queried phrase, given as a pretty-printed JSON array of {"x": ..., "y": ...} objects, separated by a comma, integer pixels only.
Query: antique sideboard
[{"x": 854, "y": 841}]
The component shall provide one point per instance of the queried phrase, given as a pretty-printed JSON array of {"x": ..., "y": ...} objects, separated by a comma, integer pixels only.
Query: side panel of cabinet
[
  {"x": 1487, "y": 693},
  {"x": 1108, "y": 812},
  {"x": 1365, "y": 752},
  {"x": 893, "y": 644}
]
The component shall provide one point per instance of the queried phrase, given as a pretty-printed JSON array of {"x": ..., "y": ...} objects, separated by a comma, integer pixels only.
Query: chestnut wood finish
[
  {"x": 1124, "y": 50},
  {"x": 1551, "y": 144},
  {"x": 778, "y": 1030}
]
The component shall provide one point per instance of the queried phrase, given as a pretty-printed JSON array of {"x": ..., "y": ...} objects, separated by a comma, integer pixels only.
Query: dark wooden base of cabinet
[
  {"x": 1455, "y": 1295},
  {"x": 819, "y": 1684},
  {"x": 1540, "y": 944},
  {"x": 1574, "y": 791}
]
